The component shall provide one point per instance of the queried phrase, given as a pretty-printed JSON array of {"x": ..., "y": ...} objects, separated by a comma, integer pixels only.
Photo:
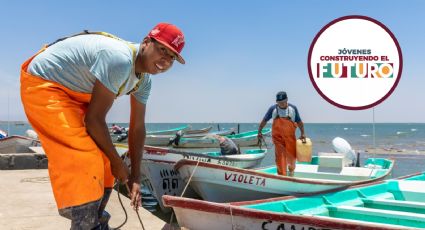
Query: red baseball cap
[{"x": 170, "y": 36}]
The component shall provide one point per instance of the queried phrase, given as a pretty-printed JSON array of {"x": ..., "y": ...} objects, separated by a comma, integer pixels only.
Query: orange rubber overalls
[
  {"x": 79, "y": 171},
  {"x": 283, "y": 134}
]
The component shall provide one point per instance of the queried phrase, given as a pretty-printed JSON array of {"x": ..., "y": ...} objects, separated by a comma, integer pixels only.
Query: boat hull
[
  {"x": 169, "y": 131},
  {"x": 158, "y": 167},
  {"x": 170, "y": 155},
  {"x": 222, "y": 216},
  {"x": 122, "y": 137},
  {"x": 165, "y": 180},
  {"x": 164, "y": 139},
  {"x": 19, "y": 152},
  {"x": 245, "y": 139},
  {"x": 17, "y": 144},
  {"x": 198, "y": 131},
  {"x": 214, "y": 143},
  {"x": 220, "y": 183},
  {"x": 210, "y": 220},
  {"x": 392, "y": 204}
]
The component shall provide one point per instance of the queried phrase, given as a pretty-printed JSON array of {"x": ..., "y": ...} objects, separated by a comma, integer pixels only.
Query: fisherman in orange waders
[
  {"x": 285, "y": 121},
  {"x": 67, "y": 89}
]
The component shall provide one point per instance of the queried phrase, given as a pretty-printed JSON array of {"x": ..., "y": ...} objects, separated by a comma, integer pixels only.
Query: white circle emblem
[{"x": 355, "y": 62}]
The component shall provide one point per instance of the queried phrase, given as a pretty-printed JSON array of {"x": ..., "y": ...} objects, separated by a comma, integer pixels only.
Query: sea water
[{"x": 405, "y": 141}]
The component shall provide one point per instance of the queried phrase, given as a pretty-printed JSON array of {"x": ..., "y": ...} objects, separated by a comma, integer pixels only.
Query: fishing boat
[
  {"x": 163, "y": 137},
  {"x": 392, "y": 204},
  {"x": 158, "y": 167},
  {"x": 244, "y": 139},
  {"x": 198, "y": 131},
  {"x": 18, "y": 144},
  {"x": 169, "y": 131},
  {"x": 221, "y": 183},
  {"x": 122, "y": 137},
  {"x": 166, "y": 140},
  {"x": 248, "y": 159},
  {"x": 19, "y": 152}
]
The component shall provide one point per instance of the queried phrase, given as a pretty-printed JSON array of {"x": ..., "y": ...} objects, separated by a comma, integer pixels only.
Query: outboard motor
[
  {"x": 117, "y": 132},
  {"x": 122, "y": 137},
  {"x": 340, "y": 145},
  {"x": 31, "y": 134}
]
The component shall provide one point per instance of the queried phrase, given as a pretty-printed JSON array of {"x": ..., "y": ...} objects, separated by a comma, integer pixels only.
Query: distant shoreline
[{"x": 392, "y": 151}]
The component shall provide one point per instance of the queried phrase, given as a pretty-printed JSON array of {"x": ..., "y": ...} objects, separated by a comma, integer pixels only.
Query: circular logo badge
[{"x": 355, "y": 62}]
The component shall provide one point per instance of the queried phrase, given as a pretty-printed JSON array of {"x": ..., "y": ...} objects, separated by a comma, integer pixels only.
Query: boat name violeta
[{"x": 244, "y": 179}]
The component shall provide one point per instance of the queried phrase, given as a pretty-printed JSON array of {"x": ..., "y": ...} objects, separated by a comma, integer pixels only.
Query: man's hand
[
  {"x": 302, "y": 138},
  {"x": 260, "y": 135},
  {"x": 135, "y": 196},
  {"x": 120, "y": 171}
]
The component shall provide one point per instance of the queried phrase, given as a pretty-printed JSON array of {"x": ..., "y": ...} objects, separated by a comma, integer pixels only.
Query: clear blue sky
[{"x": 238, "y": 54}]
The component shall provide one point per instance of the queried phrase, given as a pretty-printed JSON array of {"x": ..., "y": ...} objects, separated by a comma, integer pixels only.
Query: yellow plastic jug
[{"x": 304, "y": 150}]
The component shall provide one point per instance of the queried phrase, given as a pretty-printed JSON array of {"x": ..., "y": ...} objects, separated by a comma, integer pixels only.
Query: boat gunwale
[
  {"x": 237, "y": 136},
  {"x": 185, "y": 127},
  {"x": 283, "y": 198},
  {"x": 158, "y": 161},
  {"x": 188, "y": 162},
  {"x": 230, "y": 209},
  {"x": 18, "y": 137},
  {"x": 153, "y": 150},
  {"x": 164, "y": 151},
  {"x": 235, "y": 208},
  {"x": 198, "y": 131}
]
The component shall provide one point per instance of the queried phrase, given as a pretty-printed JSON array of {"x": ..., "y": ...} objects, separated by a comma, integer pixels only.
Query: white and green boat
[
  {"x": 392, "y": 204},
  {"x": 221, "y": 183},
  {"x": 169, "y": 131},
  {"x": 244, "y": 139},
  {"x": 122, "y": 137},
  {"x": 165, "y": 180},
  {"x": 166, "y": 140}
]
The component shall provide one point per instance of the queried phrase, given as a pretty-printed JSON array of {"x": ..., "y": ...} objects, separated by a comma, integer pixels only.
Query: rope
[
  {"x": 125, "y": 211},
  {"x": 137, "y": 210},
  {"x": 231, "y": 215},
  {"x": 184, "y": 190},
  {"x": 265, "y": 143},
  {"x": 122, "y": 205},
  {"x": 261, "y": 141}
]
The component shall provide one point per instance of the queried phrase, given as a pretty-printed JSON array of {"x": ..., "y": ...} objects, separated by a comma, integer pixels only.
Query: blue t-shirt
[
  {"x": 77, "y": 62},
  {"x": 290, "y": 111}
]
